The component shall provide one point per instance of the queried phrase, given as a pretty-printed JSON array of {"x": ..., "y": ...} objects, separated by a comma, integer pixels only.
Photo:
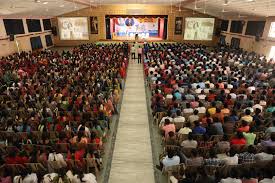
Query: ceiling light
[
  {"x": 62, "y": 5},
  {"x": 250, "y": 0},
  {"x": 225, "y": 2},
  {"x": 46, "y": 2}
]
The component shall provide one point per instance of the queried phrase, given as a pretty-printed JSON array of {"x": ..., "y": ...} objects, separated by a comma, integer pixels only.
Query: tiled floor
[{"x": 132, "y": 158}]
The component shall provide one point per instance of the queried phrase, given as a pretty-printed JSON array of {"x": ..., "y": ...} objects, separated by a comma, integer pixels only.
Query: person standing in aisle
[
  {"x": 133, "y": 52},
  {"x": 139, "y": 54}
]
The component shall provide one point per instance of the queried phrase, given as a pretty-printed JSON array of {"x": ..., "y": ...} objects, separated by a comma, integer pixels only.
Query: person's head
[
  {"x": 167, "y": 121},
  {"x": 197, "y": 123},
  {"x": 170, "y": 153},
  {"x": 234, "y": 173},
  {"x": 188, "y": 125},
  {"x": 239, "y": 135},
  {"x": 218, "y": 110},
  {"x": 272, "y": 136},
  {"x": 232, "y": 152},
  {"x": 247, "y": 112},
  {"x": 212, "y": 153},
  {"x": 171, "y": 134},
  {"x": 188, "y": 105},
  {"x": 194, "y": 152},
  {"x": 244, "y": 123},
  {"x": 190, "y": 136},
  {"x": 251, "y": 149},
  {"x": 196, "y": 112},
  {"x": 178, "y": 112}
]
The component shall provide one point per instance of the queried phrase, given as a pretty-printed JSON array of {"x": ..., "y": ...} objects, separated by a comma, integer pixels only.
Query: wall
[
  {"x": 103, "y": 10},
  {"x": 8, "y": 47},
  {"x": 249, "y": 43}
]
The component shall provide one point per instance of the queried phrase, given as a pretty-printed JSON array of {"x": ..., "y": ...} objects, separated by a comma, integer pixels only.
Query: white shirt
[
  {"x": 175, "y": 160},
  {"x": 133, "y": 49},
  {"x": 188, "y": 110},
  {"x": 189, "y": 144},
  {"x": 48, "y": 178},
  {"x": 201, "y": 110},
  {"x": 87, "y": 131},
  {"x": 268, "y": 180},
  {"x": 231, "y": 160},
  {"x": 179, "y": 119},
  {"x": 30, "y": 178},
  {"x": 185, "y": 130},
  {"x": 231, "y": 180},
  {"x": 163, "y": 119},
  {"x": 257, "y": 106},
  {"x": 87, "y": 178}
]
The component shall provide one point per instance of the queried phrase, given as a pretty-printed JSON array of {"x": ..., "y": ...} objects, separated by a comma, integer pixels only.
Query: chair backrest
[{"x": 179, "y": 125}]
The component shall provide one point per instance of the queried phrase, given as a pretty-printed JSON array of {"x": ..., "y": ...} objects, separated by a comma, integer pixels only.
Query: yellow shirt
[{"x": 212, "y": 110}]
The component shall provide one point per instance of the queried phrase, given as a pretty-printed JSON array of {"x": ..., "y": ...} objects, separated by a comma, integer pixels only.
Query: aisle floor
[{"x": 132, "y": 158}]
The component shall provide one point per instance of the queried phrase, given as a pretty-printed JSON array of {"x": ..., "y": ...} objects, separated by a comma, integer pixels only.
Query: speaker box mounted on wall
[
  {"x": 11, "y": 38},
  {"x": 54, "y": 31}
]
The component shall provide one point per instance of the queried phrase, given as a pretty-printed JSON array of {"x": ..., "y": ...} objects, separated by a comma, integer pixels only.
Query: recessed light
[
  {"x": 62, "y": 5},
  {"x": 46, "y": 2}
]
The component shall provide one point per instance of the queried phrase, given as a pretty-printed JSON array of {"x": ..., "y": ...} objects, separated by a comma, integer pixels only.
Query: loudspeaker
[
  {"x": 54, "y": 31},
  {"x": 108, "y": 31},
  {"x": 257, "y": 38},
  {"x": 11, "y": 37},
  {"x": 218, "y": 32}
]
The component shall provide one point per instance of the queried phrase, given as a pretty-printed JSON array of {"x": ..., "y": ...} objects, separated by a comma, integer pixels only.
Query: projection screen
[
  {"x": 73, "y": 28},
  {"x": 199, "y": 28}
]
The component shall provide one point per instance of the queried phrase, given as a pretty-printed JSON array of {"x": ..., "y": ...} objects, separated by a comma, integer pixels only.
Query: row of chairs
[{"x": 86, "y": 164}]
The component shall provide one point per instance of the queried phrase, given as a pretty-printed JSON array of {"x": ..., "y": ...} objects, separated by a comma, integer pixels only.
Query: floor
[{"x": 132, "y": 160}]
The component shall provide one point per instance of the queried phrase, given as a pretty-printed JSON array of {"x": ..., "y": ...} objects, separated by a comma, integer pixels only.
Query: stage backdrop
[{"x": 125, "y": 28}]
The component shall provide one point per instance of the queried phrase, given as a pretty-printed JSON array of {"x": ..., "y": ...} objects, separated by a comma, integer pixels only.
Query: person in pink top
[{"x": 168, "y": 127}]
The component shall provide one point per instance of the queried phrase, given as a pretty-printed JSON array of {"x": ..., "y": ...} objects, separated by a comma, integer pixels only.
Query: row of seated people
[
  {"x": 224, "y": 98},
  {"x": 48, "y": 99},
  {"x": 28, "y": 174}
]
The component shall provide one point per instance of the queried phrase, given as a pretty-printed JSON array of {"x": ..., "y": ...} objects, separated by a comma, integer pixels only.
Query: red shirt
[{"x": 236, "y": 141}]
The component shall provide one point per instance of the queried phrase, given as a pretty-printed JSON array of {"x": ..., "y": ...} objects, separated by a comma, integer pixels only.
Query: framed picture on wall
[
  {"x": 178, "y": 25},
  {"x": 94, "y": 25}
]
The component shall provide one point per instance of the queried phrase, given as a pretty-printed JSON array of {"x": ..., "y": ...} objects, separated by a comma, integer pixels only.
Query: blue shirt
[
  {"x": 199, "y": 130},
  {"x": 177, "y": 95}
]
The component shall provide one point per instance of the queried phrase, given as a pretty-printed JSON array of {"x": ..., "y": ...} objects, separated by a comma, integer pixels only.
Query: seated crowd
[
  {"x": 56, "y": 111},
  {"x": 216, "y": 111}
]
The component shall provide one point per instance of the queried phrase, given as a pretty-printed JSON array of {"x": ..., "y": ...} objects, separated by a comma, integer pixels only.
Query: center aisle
[{"x": 132, "y": 158}]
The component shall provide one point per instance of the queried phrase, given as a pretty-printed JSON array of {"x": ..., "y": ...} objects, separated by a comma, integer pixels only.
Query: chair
[
  {"x": 90, "y": 163},
  {"x": 158, "y": 116},
  {"x": 36, "y": 167},
  {"x": 169, "y": 171},
  {"x": 187, "y": 151},
  {"x": 181, "y": 137},
  {"x": 62, "y": 147},
  {"x": 179, "y": 125},
  {"x": 216, "y": 138}
]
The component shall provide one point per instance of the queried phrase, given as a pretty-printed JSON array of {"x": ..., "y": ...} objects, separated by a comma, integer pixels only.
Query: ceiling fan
[
  {"x": 197, "y": 8},
  {"x": 224, "y": 11},
  {"x": 181, "y": 10},
  {"x": 242, "y": 16}
]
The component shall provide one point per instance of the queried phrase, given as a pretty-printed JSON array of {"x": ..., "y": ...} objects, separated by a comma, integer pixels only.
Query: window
[
  {"x": 34, "y": 25},
  {"x": 224, "y": 25},
  {"x": 272, "y": 53},
  {"x": 14, "y": 26},
  {"x": 272, "y": 30},
  {"x": 255, "y": 28},
  {"x": 236, "y": 26}
]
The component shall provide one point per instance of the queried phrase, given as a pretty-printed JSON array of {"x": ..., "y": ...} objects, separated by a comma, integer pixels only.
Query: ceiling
[
  {"x": 33, "y": 8},
  {"x": 234, "y": 8},
  {"x": 219, "y": 8}
]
